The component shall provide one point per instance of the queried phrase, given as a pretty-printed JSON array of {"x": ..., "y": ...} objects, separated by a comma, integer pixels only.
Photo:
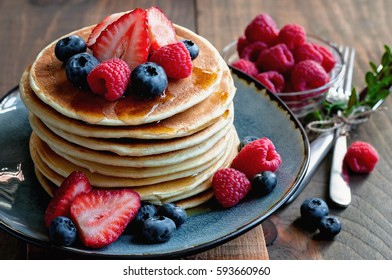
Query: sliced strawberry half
[
  {"x": 126, "y": 38},
  {"x": 75, "y": 184},
  {"x": 102, "y": 215},
  {"x": 160, "y": 29},
  {"x": 100, "y": 27}
]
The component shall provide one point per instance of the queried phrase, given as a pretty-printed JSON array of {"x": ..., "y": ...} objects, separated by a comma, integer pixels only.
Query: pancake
[
  {"x": 48, "y": 80},
  {"x": 136, "y": 147},
  {"x": 154, "y": 192},
  {"x": 59, "y": 144},
  {"x": 204, "y": 114}
]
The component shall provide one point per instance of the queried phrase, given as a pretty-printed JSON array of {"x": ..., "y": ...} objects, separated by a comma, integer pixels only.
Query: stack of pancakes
[{"x": 167, "y": 149}]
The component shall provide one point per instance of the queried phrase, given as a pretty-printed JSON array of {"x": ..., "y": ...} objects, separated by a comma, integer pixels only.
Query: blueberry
[
  {"x": 158, "y": 229},
  {"x": 146, "y": 210},
  {"x": 329, "y": 226},
  {"x": 78, "y": 67},
  {"x": 313, "y": 210},
  {"x": 62, "y": 231},
  {"x": 192, "y": 47},
  {"x": 148, "y": 80},
  {"x": 246, "y": 140},
  {"x": 176, "y": 213},
  {"x": 67, "y": 47},
  {"x": 264, "y": 182}
]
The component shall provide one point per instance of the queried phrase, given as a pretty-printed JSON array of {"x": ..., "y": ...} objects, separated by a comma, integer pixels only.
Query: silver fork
[
  {"x": 320, "y": 146},
  {"x": 339, "y": 189}
]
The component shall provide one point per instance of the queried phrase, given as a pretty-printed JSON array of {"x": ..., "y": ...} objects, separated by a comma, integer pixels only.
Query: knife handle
[
  {"x": 339, "y": 189},
  {"x": 319, "y": 148}
]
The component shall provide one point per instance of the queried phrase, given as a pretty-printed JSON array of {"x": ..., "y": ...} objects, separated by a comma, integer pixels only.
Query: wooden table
[{"x": 27, "y": 26}]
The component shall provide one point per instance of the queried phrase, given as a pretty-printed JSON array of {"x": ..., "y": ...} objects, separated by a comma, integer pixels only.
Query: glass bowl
[{"x": 303, "y": 102}]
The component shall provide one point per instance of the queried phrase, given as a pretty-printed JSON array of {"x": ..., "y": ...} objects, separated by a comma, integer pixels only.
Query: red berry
[
  {"x": 307, "y": 51},
  {"x": 277, "y": 58},
  {"x": 293, "y": 35},
  {"x": 110, "y": 78},
  {"x": 262, "y": 28},
  {"x": 126, "y": 38},
  {"x": 361, "y": 157},
  {"x": 230, "y": 186},
  {"x": 100, "y": 27},
  {"x": 160, "y": 29},
  {"x": 246, "y": 66},
  {"x": 252, "y": 51},
  {"x": 175, "y": 59},
  {"x": 241, "y": 44},
  {"x": 307, "y": 75},
  {"x": 328, "y": 61},
  {"x": 102, "y": 215},
  {"x": 75, "y": 184},
  {"x": 258, "y": 156},
  {"x": 272, "y": 80}
]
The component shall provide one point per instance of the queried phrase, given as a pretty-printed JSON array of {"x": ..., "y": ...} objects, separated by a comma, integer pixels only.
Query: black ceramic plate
[{"x": 257, "y": 112}]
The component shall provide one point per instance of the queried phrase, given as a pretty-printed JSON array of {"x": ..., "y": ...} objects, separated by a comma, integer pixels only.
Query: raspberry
[
  {"x": 110, "y": 78},
  {"x": 272, "y": 80},
  {"x": 308, "y": 51},
  {"x": 328, "y": 61},
  {"x": 361, "y": 157},
  {"x": 252, "y": 51},
  {"x": 293, "y": 35},
  {"x": 262, "y": 28},
  {"x": 241, "y": 44},
  {"x": 230, "y": 186},
  {"x": 308, "y": 74},
  {"x": 277, "y": 58},
  {"x": 258, "y": 156},
  {"x": 175, "y": 59},
  {"x": 246, "y": 66}
]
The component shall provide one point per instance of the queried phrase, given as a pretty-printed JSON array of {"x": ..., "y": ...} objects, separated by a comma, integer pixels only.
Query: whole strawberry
[
  {"x": 361, "y": 157},
  {"x": 258, "y": 156},
  {"x": 230, "y": 186}
]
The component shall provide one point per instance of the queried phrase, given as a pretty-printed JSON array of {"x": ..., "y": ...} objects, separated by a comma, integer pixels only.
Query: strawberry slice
[
  {"x": 126, "y": 38},
  {"x": 100, "y": 27},
  {"x": 75, "y": 184},
  {"x": 102, "y": 215},
  {"x": 160, "y": 29}
]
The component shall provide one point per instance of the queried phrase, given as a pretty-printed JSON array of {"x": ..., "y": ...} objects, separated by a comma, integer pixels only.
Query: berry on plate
[
  {"x": 146, "y": 210},
  {"x": 246, "y": 140},
  {"x": 246, "y": 66},
  {"x": 230, "y": 186},
  {"x": 272, "y": 80},
  {"x": 148, "y": 80},
  {"x": 100, "y": 27},
  {"x": 175, "y": 59},
  {"x": 264, "y": 182},
  {"x": 361, "y": 157},
  {"x": 62, "y": 231},
  {"x": 160, "y": 29},
  {"x": 78, "y": 67},
  {"x": 75, "y": 184},
  {"x": 192, "y": 47},
  {"x": 262, "y": 28},
  {"x": 126, "y": 38},
  {"x": 102, "y": 215},
  {"x": 256, "y": 157},
  {"x": 69, "y": 46},
  {"x": 176, "y": 213},
  {"x": 110, "y": 78},
  {"x": 158, "y": 229}
]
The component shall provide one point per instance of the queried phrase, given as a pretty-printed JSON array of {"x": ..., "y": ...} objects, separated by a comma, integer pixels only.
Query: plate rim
[{"x": 203, "y": 246}]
